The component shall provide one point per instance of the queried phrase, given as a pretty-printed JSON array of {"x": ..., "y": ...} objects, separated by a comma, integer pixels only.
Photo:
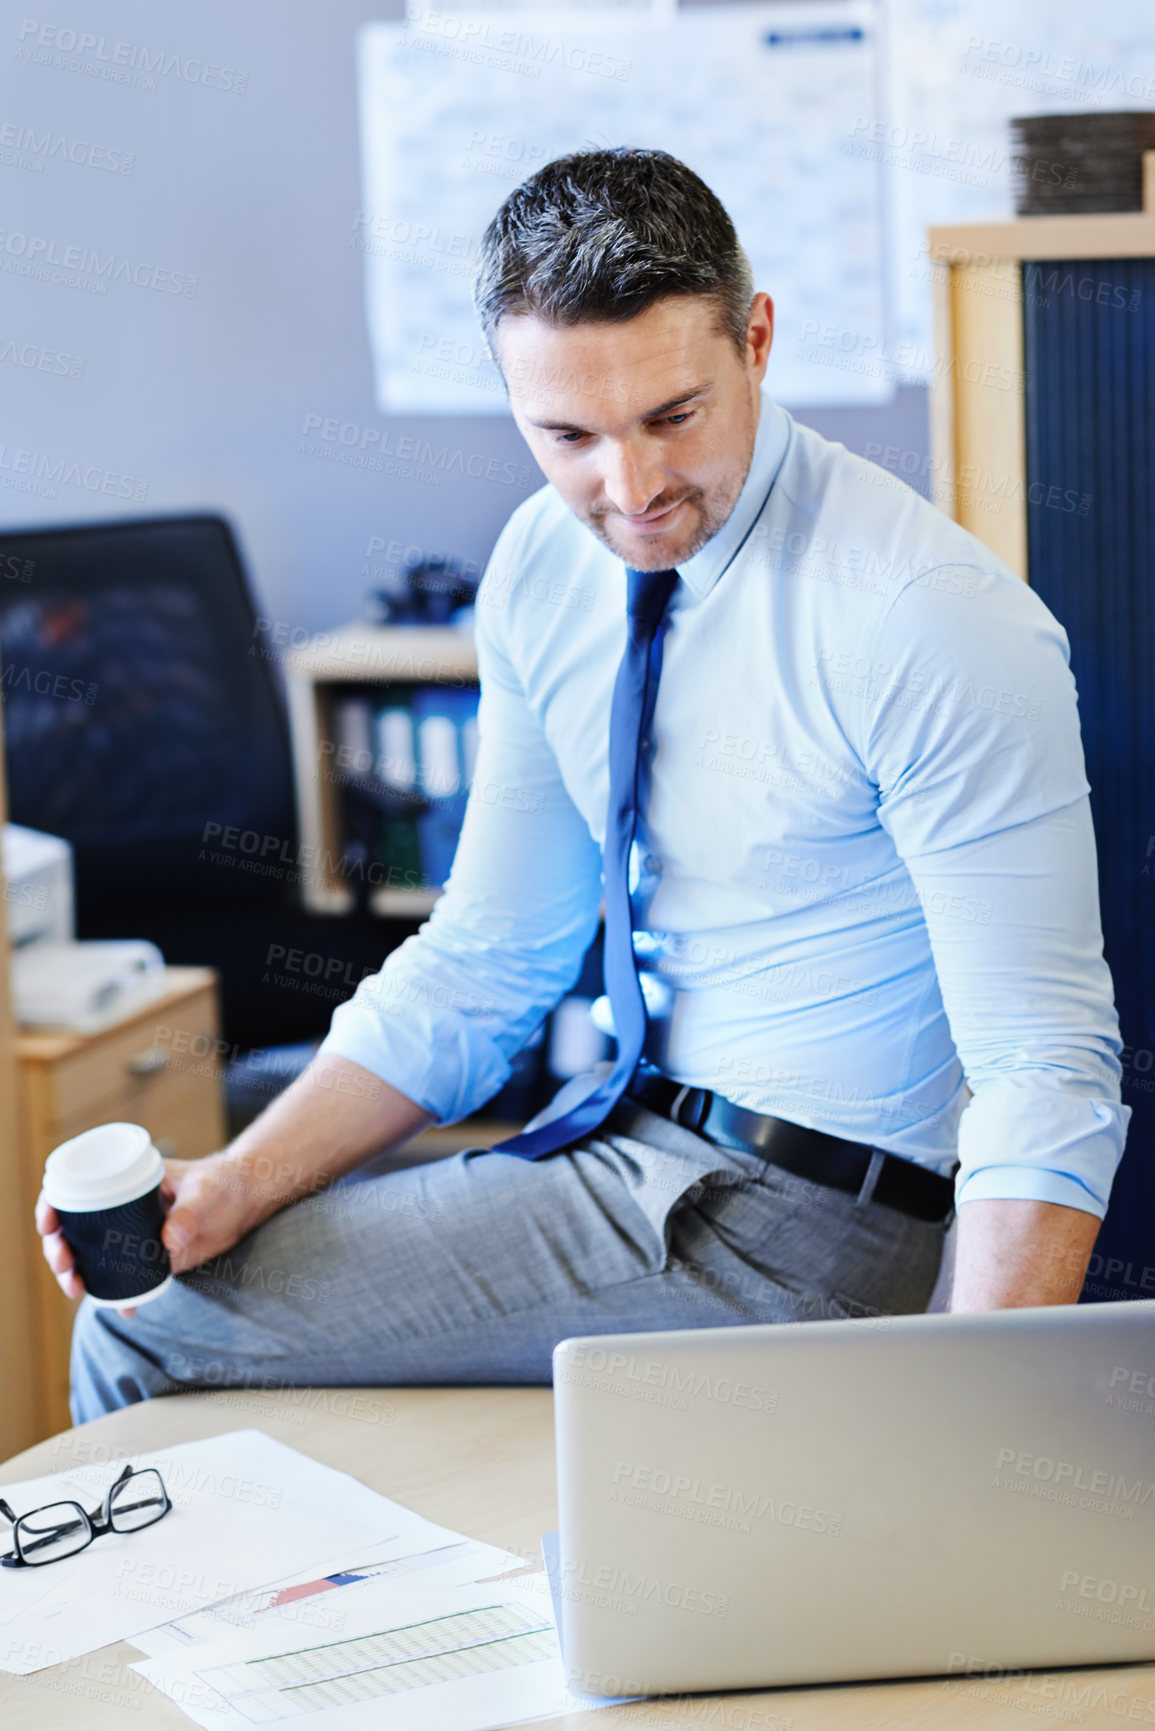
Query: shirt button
[{"x": 653, "y": 865}]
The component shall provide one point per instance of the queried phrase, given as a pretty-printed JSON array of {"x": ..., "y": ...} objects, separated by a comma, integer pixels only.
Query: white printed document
[
  {"x": 462, "y": 1658},
  {"x": 457, "y": 109},
  {"x": 959, "y": 73},
  {"x": 317, "y": 1601},
  {"x": 247, "y": 1511}
]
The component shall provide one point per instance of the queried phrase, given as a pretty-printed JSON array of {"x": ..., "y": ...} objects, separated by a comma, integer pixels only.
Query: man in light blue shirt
[{"x": 862, "y": 884}]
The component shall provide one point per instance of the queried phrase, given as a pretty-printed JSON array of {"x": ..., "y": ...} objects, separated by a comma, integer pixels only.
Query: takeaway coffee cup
[{"x": 105, "y": 1188}]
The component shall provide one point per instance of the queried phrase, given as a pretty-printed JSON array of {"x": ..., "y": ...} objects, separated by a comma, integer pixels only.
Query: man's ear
[{"x": 759, "y": 334}]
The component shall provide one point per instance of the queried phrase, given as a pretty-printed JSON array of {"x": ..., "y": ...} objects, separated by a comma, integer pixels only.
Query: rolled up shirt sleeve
[
  {"x": 974, "y": 745},
  {"x": 454, "y": 1003}
]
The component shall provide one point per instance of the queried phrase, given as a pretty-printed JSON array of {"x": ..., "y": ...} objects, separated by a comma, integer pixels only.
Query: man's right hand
[
  {"x": 324, "y": 1124},
  {"x": 209, "y": 1205}
]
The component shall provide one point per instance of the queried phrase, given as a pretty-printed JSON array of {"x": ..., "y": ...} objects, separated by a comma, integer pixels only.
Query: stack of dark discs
[{"x": 1065, "y": 164}]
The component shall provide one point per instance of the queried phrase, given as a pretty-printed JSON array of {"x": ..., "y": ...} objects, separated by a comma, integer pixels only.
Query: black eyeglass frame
[{"x": 98, "y": 1521}]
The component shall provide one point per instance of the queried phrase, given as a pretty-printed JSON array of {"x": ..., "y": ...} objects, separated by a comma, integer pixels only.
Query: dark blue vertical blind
[{"x": 1089, "y": 363}]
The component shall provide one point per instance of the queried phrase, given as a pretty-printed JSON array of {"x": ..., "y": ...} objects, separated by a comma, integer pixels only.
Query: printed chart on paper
[{"x": 371, "y": 1667}]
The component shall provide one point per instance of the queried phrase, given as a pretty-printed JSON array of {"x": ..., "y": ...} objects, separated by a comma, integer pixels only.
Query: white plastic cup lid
[{"x": 102, "y": 1168}]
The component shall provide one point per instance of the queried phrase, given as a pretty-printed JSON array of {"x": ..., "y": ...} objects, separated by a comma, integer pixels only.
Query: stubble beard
[{"x": 712, "y": 512}]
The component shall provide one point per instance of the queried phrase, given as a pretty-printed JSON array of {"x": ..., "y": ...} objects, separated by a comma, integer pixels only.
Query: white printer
[
  {"x": 37, "y": 886},
  {"x": 57, "y": 982}
]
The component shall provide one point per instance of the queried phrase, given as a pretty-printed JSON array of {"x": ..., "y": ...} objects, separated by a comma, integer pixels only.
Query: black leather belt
[{"x": 812, "y": 1154}]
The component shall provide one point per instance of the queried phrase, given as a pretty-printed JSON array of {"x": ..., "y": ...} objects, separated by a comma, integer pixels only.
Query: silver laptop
[{"x": 880, "y": 1497}]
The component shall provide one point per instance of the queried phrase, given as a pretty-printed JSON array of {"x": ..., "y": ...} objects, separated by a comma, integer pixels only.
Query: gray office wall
[{"x": 239, "y": 169}]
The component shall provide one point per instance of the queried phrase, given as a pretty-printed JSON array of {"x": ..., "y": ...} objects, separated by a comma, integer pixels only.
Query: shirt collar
[{"x": 702, "y": 571}]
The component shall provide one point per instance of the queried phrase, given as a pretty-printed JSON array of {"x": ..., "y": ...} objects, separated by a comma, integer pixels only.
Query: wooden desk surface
[{"x": 481, "y": 1460}]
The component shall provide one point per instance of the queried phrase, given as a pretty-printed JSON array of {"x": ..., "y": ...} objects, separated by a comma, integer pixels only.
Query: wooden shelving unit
[
  {"x": 316, "y": 676},
  {"x": 976, "y": 400}
]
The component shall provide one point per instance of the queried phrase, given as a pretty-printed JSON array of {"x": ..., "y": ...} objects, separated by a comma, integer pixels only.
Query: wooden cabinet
[
  {"x": 1044, "y": 426},
  {"x": 162, "y": 1067},
  {"x": 979, "y": 457}
]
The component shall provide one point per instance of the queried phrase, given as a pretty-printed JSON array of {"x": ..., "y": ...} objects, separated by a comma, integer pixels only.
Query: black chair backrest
[{"x": 143, "y": 721}]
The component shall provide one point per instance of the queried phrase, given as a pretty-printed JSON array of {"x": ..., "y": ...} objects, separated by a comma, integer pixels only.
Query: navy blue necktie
[{"x": 631, "y": 716}]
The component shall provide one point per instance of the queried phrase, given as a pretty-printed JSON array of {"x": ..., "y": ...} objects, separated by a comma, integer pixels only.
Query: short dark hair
[{"x": 601, "y": 235}]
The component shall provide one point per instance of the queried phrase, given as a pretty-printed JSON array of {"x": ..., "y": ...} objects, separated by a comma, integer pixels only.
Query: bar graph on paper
[{"x": 372, "y": 1667}]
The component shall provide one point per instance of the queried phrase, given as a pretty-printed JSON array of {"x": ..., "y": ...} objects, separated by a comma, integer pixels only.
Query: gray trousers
[{"x": 470, "y": 1270}]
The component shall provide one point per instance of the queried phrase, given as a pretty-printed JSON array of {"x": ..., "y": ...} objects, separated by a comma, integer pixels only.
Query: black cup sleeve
[{"x": 118, "y": 1251}]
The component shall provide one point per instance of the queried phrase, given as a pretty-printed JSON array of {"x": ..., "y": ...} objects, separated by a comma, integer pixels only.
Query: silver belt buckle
[{"x": 701, "y": 1106}]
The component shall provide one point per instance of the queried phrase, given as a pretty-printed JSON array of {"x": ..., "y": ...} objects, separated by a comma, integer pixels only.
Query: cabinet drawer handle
[{"x": 148, "y": 1063}]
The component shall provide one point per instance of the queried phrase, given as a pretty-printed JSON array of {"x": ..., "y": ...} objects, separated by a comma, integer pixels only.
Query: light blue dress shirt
[{"x": 867, "y": 887}]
